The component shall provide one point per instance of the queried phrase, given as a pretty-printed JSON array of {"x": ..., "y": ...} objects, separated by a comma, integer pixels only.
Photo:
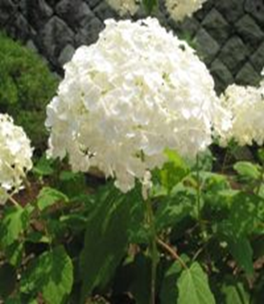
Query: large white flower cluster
[
  {"x": 15, "y": 157},
  {"x": 124, "y": 7},
  {"x": 126, "y": 98},
  {"x": 179, "y": 9},
  {"x": 246, "y": 104}
]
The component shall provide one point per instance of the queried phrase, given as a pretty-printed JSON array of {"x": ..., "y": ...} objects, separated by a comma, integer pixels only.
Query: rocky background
[{"x": 228, "y": 34}]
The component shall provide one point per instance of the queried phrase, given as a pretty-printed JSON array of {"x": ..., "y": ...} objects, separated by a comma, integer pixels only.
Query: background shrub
[{"x": 26, "y": 86}]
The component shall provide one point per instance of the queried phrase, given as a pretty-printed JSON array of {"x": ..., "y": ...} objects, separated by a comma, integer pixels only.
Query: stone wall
[{"x": 229, "y": 34}]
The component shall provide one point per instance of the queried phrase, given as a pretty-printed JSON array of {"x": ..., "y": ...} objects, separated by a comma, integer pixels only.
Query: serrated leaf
[
  {"x": 49, "y": 196},
  {"x": 15, "y": 221},
  {"x": 106, "y": 240},
  {"x": 51, "y": 274},
  {"x": 247, "y": 170},
  {"x": 193, "y": 286}
]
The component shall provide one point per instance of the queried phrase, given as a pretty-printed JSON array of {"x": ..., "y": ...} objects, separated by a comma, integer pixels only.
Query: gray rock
[
  {"x": 7, "y": 9},
  {"x": 38, "y": 13},
  {"x": 22, "y": 6},
  {"x": 203, "y": 11},
  {"x": 89, "y": 32},
  {"x": 256, "y": 9},
  {"x": 234, "y": 54},
  {"x": 216, "y": 26},
  {"x": 84, "y": 14},
  {"x": 257, "y": 59},
  {"x": 31, "y": 45},
  {"x": 231, "y": 9},
  {"x": 92, "y": 3},
  {"x": 23, "y": 30},
  {"x": 247, "y": 75},
  {"x": 54, "y": 37},
  {"x": 222, "y": 76},
  {"x": 189, "y": 27},
  {"x": 67, "y": 10},
  {"x": 249, "y": 31},
  {"x": 104, "y": 11},
  {"x": 66, "y": 54},
  {"x": 52, "y": 3},
  {"x": 207, "y": 47}
]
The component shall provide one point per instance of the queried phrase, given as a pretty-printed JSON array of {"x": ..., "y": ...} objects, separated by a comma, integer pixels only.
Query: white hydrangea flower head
[
  {"x": 15, "y": 157},
  {"x": 126, "y": 98},
  {"x": 246, "y": 105},
  {"x": 124, "y": 7},
  {"x": 179, "y": 9}
]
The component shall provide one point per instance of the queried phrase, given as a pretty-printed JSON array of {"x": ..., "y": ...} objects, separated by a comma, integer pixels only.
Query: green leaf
[
  {"x": 246, "y": 213},
  {"x": 247, "y": 170},
  {"x": 235, "y": 294},
  {"x": 72, "y": 184},
  {"x": 74, "y": 221},
  {"x": 234, "y": 232},
  {"x": 43, "y": 167},
  {"x": 14, "y": 253},
  {"x": 204, "y": 161},
  {"x": 7, "y": 280},
  {"x": 15, "y": 221},
  {"x": 106, "y": 240},
  {"x": 49, "y": 196},
  {"x": 193, "y": 287},
  {"x": 174, "y": 208},
  {"x": 149, "y": 5},
  {"x": 173, "y": 171},
  {"x": 140, "y": 286},
  {"x": 169, "y": 292},
  {"x": 261, "y": 155},
  {"x": 242, "y": 252},
  {"x": 51, "y": 274}
]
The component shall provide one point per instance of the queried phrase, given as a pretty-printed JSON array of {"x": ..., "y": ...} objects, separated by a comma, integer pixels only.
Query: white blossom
[
  {"x": 126, "y": 98},
  {"x": 124, "y": 7},
  {"x": 179, "y": 9},
  {"x": 246, "y": 105},
  {"x": 15, "y": 157}
]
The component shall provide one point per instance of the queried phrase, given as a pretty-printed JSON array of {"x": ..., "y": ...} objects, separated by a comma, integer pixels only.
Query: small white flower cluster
[
  {"x": 15, "y": 157},
  {"x": 179, "y": 9},
  {"x": 126, "y": 98},
  {"x": 124, "y": 7},
  {"x": 246, "y": 104}
]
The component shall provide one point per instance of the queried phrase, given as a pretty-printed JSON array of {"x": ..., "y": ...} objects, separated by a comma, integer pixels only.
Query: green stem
[
  {"x": 198, "y": 200},
  {"x": 153, "y": 250},
  {"x": 13, "y": 201},
  {"x": 260, "y": 180},
  {"x": 172, "y": 252},
  {"x": 198, "y": 192}
]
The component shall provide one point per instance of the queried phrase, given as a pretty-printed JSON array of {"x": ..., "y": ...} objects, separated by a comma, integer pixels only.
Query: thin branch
[{"x": 172, "y": 252}]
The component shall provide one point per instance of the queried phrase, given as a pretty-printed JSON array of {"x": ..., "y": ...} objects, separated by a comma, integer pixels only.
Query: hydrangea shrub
[
  {"x": 15, "y": 157},
  {"x": 119, "y": 110}
]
